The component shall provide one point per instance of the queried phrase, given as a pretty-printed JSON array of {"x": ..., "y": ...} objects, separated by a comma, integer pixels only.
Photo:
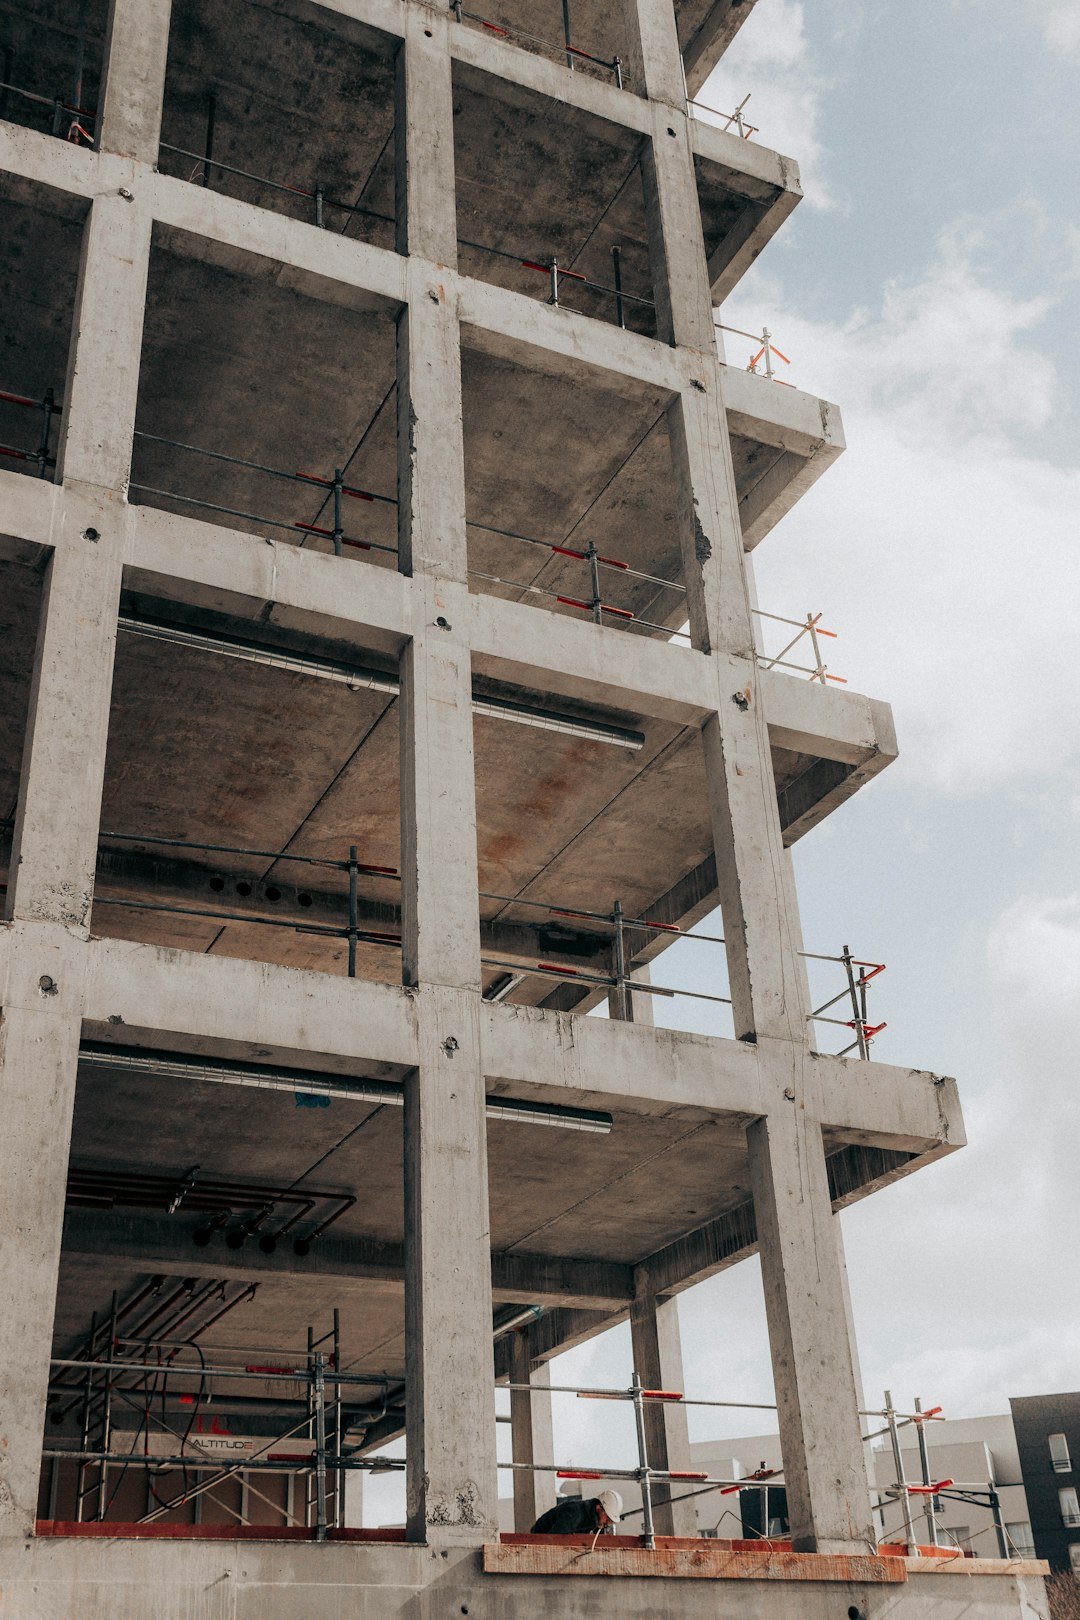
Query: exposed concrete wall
[{"x": 64, "y": 1581}]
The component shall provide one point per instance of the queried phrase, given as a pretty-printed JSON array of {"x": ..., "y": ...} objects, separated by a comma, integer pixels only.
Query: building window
[
  {"x": 1059, "y": 1454},
  {"x": 1070, "y": 1506},
  {"x": 956, "y": 1535},
  {"x": 1019, "y": 1539},
  {"x": 1074, "y": 1558}
]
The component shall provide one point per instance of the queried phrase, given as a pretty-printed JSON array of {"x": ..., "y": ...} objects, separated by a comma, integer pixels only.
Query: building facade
[
  {"x": 1048, "y": 1441},
  {"x": 359, "y": 354}
]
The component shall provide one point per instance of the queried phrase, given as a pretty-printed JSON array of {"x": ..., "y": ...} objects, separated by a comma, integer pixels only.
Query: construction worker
[{"x": 573, "y": 1516}]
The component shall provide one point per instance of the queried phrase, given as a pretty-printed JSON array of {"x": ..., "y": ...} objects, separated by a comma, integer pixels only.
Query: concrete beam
[
  {"x": 148, "y": 995},
  {"x": 164, "y": 1243}
]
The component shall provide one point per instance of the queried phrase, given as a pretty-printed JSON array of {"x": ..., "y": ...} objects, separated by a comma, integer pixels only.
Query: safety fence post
[
  {"x": 320, "y": 1445},
  {"x": 616, "y": 271},
  {"x": 594, "y": 575},
  {"x": 208, "y": 147},
  {"x": 901, "y": 1478},
  {"x": 352, "y": 911},
  {"x": 339, "y": 532},
  {"x": 858, "y": 1011},
  {"x": 643, "y": 1461},
  {"x": 554, "y": 274},
  {"x": 927, "y": 1478}
]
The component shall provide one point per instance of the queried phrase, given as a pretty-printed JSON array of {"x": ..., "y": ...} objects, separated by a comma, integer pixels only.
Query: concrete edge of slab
[{"x": 693, "y": 1560}]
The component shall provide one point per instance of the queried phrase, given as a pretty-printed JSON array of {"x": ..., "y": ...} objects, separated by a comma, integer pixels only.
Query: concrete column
[
  {"x": 816, "y": 1396},
  {"x": 54, "y": 845},
  {"x": 531, "y": 1434},
  {"x": 39, "y": 1047},
  {"x": 451, "y": 1490},
  {"x": 426, "y": 202},
  {"x": 136, "y": 45},
  {"x": 680, "y": 274},
  {"x": 760, "y": 928},
  {"x": 657, "y": 1349},
  {"x": 450, "y": 1402},
  {"x": 103, "y": 368}
]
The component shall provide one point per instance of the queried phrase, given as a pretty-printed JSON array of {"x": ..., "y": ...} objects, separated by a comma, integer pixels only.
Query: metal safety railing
[
  {"x": 143, "y": 1377},
  {"x": 620, "y": 980},
  {"x": 338, "y": 493},
  {"x": 927, "y": 1490},
  {"x": 765, "y": 354},
  {"x": 644, "y": 1474},
  {"x": 733, "y": 120},
  {"x": 354, "y": 932},
  {"x": 858, "y": 976},
  {"x": 572, "y": 54},
  {"x": 615, "y": 935}
]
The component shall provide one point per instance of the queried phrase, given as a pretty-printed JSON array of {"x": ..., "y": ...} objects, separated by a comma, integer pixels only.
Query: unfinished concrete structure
[{"x": 325, "y": 831}]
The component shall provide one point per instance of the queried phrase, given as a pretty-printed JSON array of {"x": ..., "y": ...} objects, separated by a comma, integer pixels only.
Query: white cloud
[
  {"x": 1060, "y": 24},
  {"x": 976, "y": 1299},
  {"x": 942, "y": 543},
  {"x": 770, "y": 60}
]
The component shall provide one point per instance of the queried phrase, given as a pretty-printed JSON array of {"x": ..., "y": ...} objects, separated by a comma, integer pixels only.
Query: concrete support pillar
[
  {"x": 531, "y": 1434},
  {"x": 103, "y": 369},
  {"x": 451, "y": 1488},
  {"x": 816, "y": 1397},
  {"x": 136, "y": 46},
  {"x": 424, "y": 149},
  {"x": 53, "y": 850},
  {"x": 39, "y": 1047},
  {"x": 657, "y": 1350},
  {"x": 761, "y": 934}
]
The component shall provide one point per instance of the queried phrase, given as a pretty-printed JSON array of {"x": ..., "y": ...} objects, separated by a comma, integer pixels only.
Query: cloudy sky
[{"x": 930, "y": 285}]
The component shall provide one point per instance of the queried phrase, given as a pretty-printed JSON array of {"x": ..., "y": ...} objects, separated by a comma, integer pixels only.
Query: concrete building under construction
[{"x": 383, "y": 690}]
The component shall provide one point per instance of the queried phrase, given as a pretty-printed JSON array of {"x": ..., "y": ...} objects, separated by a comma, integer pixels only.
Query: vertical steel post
[
  {"x": 80, "y": 61},
  {"x": 80, "y": 1478},
  {"x": 566, "y": 33},
  {"x": 352, "y": 935},
  {"x": 856, "y": 1010},
  {"x": 999, "y": 1524},
  {"x": 644, "y": 1473},
  {"x": 339, "y": 1472},
  {"x": 766, "y": 338},
  {"x": 616, "y": 68},
  {"x": 309, "y": 1427},
  {"x": 616, "y": 270},
  {"x": 43, "y": 437},
  {"x": 338, "y": 530},
  {"x": 554, "y": 273},
  {"x": 594, "y": 575},
  {"x": 320, "y": 1446},
  {"x": 457, "y": 10},
  {"x": 211, "y": 121},
  {"x": 927, "y": 1478},
  {"x": 319, "y": 206},
  {"x": 57, "y": 116},
  {"x": 901, "y": 1481},
  {"x": 106, "y": 1417},
  {"x": 622, "y": 994},
  {"x": 819, "y": 667}
]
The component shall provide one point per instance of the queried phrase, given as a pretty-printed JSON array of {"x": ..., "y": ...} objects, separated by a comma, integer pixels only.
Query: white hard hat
[{"x": 611, "y": 1502}]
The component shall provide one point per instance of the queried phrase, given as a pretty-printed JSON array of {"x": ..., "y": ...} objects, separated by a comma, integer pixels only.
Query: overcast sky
[{"x": 930, "y": 285}]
